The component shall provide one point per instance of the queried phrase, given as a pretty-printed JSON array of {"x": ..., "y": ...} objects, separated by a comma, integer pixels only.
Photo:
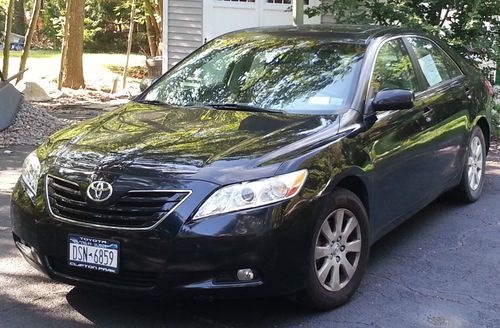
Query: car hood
[{"x": 214, "y": 145}]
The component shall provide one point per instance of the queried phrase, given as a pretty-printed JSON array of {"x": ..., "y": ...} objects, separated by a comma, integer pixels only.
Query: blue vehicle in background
[{"x": 16, "y": 42}]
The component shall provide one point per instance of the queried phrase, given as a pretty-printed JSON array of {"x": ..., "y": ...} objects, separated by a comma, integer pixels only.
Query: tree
[
  {"x": 71, "y": 73},
  {"x": 6, "y": 43},
  {"x": 19, "y": 25},
  {"x": 29, "y": 37},
  {"x": 153, "y": 17},
  {"x": 470, "y": 26}
]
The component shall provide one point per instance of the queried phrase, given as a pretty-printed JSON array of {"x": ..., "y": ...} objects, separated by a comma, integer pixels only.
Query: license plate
[{"x": 94, "y": 254}]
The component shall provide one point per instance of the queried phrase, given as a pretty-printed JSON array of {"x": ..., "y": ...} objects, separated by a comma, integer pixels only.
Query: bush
[
  {"x": 103, "y": 41},
  {"x": 495, "y": 113},
  {"x": 496, "y": 120}
]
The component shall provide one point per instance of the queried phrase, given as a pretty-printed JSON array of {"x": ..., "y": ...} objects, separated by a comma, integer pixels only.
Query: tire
[
  {"x": 336, "y": 289},
  {"x": 469, "y": 191}
]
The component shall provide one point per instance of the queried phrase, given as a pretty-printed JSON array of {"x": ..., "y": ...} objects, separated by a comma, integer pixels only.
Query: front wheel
[
  {"x": 471, "y": 186},
  {"x": 339, "y": 253}
]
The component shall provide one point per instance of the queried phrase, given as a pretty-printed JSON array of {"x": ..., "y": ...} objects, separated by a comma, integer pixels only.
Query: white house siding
[{"x": 184, "y": 28}]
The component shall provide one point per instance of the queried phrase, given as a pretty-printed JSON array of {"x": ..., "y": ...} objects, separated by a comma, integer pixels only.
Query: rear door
[{"x": 447, "y": 100}]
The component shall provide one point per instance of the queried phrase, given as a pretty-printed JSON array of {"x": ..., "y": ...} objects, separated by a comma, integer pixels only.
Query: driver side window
[{"x": 393, "y": 69}]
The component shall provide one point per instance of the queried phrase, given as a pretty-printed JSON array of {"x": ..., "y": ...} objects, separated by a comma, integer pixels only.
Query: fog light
[{"x": 245, "y": 274}]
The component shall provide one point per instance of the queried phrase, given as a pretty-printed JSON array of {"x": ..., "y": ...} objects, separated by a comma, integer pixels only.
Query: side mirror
[{"x": 396, "y": 99}]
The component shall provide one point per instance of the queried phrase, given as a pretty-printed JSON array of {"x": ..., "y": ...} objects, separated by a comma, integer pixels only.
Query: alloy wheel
[
  {"x": 475, "y": 163},
  {"x": 338, "y": 249}
]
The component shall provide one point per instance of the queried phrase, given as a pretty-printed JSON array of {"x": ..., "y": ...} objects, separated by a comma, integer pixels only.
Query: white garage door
[{"x": 222, "y": 16}]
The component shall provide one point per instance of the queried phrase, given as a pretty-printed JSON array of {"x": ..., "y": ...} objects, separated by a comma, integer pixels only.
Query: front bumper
[{"x": 196, "y": 259}]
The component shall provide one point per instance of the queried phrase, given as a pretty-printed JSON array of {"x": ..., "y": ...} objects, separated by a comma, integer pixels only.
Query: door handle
[
  {"x": 468, "y": 93},
  {"x": 428, "y": 113}
]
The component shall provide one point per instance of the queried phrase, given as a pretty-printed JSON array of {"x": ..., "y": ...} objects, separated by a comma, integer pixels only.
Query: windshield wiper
[
  {"x": 234, "y": 106},
  {"x": 151, "y": 102},
  {"x": 222, "y": 106}
]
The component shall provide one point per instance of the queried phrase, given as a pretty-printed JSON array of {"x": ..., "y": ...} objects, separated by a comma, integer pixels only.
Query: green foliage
[
  {"x": 35, "y": 54},
  {"x": 470, "y": 26},
  {"x": 52, "y": 17},
  {"x": 106, "y": 25},
  {"x": 3, "y": 10},
  {"x": 103, "y": 41},
  {"x": 495, "y": 120}
]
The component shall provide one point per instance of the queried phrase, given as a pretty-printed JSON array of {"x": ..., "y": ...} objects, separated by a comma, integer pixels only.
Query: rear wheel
[
  {"x": 471, "y": 186},
  {"x": 339, "y": 253}
]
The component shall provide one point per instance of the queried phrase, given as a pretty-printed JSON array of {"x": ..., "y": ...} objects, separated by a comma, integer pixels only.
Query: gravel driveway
[{"x": 439, "y": 269}]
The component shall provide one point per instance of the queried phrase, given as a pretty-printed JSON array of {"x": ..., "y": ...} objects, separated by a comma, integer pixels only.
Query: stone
[{"x": 34, "y": 92}]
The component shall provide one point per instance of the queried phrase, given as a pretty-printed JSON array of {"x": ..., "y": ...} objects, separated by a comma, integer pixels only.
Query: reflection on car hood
[{"x": 198, "y": 143}]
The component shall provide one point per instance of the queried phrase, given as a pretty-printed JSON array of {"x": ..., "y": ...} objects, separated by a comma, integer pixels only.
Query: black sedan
[{"x": 265, "y": 163}]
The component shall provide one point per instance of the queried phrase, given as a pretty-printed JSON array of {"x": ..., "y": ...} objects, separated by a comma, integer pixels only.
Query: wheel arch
[
  {"x": 355, "y": 181},
  {"x": 483, "y": 124}
]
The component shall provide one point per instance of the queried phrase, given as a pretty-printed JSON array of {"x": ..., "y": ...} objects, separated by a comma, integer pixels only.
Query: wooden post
[
  {"x": 298, "y": 12},
  {"x": 29, "y": 38},
  {"x": 6, "y": 41},
  {"x": 129, "y": 47}
]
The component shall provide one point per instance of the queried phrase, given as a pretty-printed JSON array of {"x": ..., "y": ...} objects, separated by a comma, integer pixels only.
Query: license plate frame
[{"x": 97, "y": 254}]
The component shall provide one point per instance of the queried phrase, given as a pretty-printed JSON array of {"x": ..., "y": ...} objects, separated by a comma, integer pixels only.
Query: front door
[{"x": 397, "y": 143}]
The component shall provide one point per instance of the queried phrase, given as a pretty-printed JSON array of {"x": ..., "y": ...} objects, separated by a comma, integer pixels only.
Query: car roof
[{"x": 349, "y": 33}]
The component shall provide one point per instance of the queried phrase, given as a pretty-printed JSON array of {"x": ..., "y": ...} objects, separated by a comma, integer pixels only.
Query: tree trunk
[
  {"x": 151, "y": 11},
  {"x": 6, "y": 43},
  {"x": 152, "y": 29},
  {"x": 153, "y": 47},
  {"x": 64, "y": 49},
  {"x": 72, "y": 54},
  {"x": 29, "y": 37},
  {"x": 19, "y": 25},
  {"x": 160, "y": 9}
]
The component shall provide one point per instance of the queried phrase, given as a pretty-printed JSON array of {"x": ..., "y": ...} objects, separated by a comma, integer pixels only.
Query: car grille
[
  {"x": 135, "y": 209},
  {"x": 138, "y": 279}
]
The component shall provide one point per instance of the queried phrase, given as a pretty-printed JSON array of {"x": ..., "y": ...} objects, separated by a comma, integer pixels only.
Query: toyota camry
[{"x": 265, "y": 163}]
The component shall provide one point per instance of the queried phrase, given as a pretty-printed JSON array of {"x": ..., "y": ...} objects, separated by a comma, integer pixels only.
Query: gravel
[{"x": 31, "y": 127}]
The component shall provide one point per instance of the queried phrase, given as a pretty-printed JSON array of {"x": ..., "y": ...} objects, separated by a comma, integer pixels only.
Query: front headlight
[
  {"x": 252, "y": 194},
  {"x": 31, "y": 174}
]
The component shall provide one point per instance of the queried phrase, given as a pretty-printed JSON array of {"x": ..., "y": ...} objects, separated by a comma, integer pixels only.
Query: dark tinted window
[
  {"x": 393, "y": 69},
  {"x": 435, "y": 64},
  {"x": 284, "y": 74}
]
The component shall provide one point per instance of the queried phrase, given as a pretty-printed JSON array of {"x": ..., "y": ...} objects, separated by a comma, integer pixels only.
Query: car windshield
[{"x": 302, "y": 76}]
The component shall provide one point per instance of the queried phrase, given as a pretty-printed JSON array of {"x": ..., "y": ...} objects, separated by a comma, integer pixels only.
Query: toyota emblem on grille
[{"x": 99, "y": 191}]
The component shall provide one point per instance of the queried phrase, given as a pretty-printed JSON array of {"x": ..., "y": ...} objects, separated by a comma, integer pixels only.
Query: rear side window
[
  {"x": 435, "y": 64},
  {"x": 393, "y": 69}
]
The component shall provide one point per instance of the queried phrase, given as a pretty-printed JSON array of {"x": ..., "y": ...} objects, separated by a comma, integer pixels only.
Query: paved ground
[{"x": 440, "y": 269}]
